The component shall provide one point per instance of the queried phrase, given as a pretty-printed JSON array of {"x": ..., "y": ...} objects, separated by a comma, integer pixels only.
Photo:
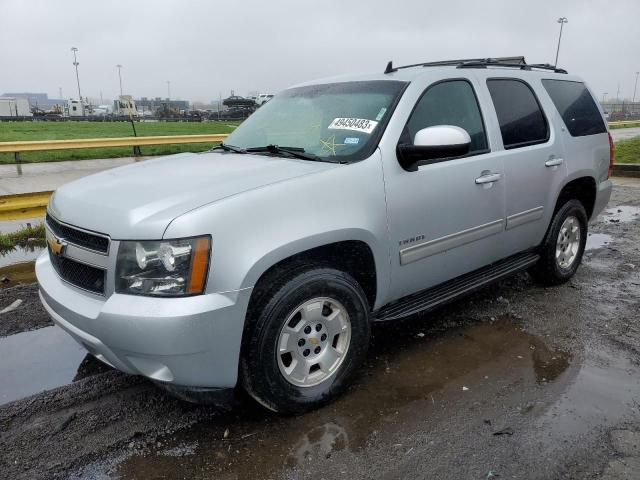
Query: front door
[{"x": 446, "y": 218}]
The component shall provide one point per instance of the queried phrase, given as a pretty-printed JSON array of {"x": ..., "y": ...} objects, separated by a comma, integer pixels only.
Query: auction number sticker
[{"x": 356, "y": 124}]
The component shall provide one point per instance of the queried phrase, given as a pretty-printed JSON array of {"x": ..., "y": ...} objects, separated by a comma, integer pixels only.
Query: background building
[{"x": 38, "y": 100}]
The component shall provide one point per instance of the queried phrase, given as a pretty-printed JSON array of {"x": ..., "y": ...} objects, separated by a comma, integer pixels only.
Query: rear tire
[
  {"x": 305, "y": 341},
  {"x": 563, "y": 246}
]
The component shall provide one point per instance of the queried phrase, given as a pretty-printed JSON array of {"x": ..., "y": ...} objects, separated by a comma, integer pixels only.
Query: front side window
[
  {"x": 576, "y": 107},
  {"x": 452, "y": 102},
  {"x": 521, "y": 120},
  {"x": 336, "y": 121}
]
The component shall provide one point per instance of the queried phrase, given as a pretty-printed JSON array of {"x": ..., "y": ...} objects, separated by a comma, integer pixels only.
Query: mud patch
[
  {"x": 29, "y": 315},
  {"x": 410, "y": 379}
]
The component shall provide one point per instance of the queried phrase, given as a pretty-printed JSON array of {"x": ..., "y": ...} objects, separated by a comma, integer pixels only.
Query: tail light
[{"x": 610, "y": 156}]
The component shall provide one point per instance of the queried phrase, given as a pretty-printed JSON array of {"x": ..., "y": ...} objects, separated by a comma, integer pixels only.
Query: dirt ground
[{"x": 517, "y": 381}]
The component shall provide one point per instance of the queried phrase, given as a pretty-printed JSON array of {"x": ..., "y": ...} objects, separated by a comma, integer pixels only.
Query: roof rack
[{"x": 512, "y": 62}]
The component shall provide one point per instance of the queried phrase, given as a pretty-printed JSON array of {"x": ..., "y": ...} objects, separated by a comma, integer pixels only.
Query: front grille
[
  {"x": 78, "y": 274},
  {"x": 78, "y": 237}
]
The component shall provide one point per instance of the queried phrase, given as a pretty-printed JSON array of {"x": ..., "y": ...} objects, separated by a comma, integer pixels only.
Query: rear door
[
  {"x": 533, "y": 159},
  {"x": 443, "y": 221}
]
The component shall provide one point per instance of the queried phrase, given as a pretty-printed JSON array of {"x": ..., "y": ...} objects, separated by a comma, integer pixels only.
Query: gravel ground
[
  {"x": 517, "y": 381},
  {"x": 28, "y": 315}
]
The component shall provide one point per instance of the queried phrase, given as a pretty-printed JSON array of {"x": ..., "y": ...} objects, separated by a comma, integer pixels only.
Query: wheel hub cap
[
  {"x": 568, "y": 243},
  {"x": 313, "y": 342}
]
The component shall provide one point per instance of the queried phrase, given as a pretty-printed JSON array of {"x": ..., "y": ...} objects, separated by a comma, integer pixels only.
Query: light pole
[
  {"x": 635, "y": 87},
  {"x": 75, "y": 64},
  {"x": 561, "y": 21},
  {"x": 119, "y": 67}
]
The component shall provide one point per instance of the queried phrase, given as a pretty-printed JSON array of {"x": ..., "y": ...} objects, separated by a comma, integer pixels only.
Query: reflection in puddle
[
  {"x": 41, "y": 360},
  {"x": 597, "y": 240},
  {"x": 409, "y": 379},
  {"x": 622, "y": 213},
  {"x": 25, "y": 253}
]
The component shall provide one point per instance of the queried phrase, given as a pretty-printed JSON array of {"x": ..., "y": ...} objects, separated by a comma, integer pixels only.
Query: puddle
[
  {"x": 18, "y": 265},
  {"x": 409, "y": 379},
  {"x": 41, "y": 360},
  {"x": 597, "y": 240},
  {"x": 622, "y": 213},
  {"x": 23, "y": 272}
]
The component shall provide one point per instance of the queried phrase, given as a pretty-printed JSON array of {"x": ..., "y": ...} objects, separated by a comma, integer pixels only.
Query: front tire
[
  {"x": 306, "y": 341},
  {"x": 563, "y": 246}
]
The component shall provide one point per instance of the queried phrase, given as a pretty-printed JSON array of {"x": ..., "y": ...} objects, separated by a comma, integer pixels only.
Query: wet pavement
[
  {"x": 624, "y": 133},
  {"x": 46, "y": 176},
  {"x": 517, "y": 381}
]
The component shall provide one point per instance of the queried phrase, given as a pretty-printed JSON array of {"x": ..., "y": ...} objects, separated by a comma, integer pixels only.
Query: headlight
[{"x": 163, "y": 268}]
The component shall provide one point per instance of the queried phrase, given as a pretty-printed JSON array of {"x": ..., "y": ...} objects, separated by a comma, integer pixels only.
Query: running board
[{"x": 447, "y": 292}]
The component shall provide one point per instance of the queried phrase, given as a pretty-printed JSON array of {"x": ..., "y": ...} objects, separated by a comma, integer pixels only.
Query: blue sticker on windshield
[{"x": 351, "y": 141}]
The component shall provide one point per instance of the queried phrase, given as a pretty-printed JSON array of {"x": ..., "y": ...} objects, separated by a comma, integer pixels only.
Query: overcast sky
[{"x": 206, "y": 47}]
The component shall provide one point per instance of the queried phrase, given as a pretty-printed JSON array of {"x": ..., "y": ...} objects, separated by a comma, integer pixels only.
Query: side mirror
[{"x": 432, "y": 143}]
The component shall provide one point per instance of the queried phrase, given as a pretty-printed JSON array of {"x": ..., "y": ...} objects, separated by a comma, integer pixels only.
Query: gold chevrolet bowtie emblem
[
  {"x": 56, "y": 245},
  {"x": 313, "y": 341}
]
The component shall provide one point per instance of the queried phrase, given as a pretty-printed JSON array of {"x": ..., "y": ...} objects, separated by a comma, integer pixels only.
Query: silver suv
[{"x": 339, "y": 203}]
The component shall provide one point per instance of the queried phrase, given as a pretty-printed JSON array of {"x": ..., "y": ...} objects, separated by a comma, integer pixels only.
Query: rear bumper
[
  {"x": 189, "y": 342},
  {"x": 602, "y": 198}
]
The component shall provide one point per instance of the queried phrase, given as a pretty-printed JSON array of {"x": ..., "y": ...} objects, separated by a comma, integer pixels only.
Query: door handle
[
  {"x": 488, "y": 178},
  {"x": 553, "y": 162}
]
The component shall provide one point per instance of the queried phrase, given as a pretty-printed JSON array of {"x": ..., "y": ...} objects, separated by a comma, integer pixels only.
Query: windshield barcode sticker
[{"x": 355, "y": 124}]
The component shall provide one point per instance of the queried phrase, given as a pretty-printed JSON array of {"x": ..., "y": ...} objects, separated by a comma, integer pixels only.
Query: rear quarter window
[
  {"x": 576, "y": 107},
  {"x": 522, "y": 122}
]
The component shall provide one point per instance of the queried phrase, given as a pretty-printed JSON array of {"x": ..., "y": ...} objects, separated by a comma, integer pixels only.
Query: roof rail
[{"x": 513, "y": 62}]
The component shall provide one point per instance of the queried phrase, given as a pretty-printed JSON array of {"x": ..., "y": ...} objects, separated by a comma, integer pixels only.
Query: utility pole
[
  {"x": 561, "y": 21},
  {"x": 635, "y": 87},
  {"x": 169, "y": 90},
  {"x": 75, "y": 64},
  {"x": 618, "y": 94},
  {"x": 60, "y": 92},
  {"x": 119, "y": 67}
]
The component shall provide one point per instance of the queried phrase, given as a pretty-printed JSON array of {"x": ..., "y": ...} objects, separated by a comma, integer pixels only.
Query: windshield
[{"x": 336, "y": 121}]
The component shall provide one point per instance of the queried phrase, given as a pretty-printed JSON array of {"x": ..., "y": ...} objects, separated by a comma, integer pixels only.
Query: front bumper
[{"x": 190, "y": 341}]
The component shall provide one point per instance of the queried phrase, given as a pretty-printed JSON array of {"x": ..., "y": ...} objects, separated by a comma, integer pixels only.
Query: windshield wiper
[
  {"x": 229, "y": 148},
  {"x": 296, "y": 152}
]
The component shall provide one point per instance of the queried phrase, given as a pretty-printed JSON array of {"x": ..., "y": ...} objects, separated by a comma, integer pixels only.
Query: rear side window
[
  {"x": 521, "y": 119},
  {"x": 452, "y": 102},
  {"x": 576, "y": 107}
]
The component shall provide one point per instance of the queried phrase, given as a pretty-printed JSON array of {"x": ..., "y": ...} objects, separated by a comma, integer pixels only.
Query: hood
[{"x": 138, "y": 201}]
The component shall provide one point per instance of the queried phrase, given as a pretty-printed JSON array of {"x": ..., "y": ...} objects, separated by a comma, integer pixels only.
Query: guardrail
[
  {"x": 23, "y": 205},
  {"x": 43, "y": 145},
  {"x": 622, "y": 123}
]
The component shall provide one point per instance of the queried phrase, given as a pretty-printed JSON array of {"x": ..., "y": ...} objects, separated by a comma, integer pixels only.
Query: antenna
[{"x": 389, "y": 68}]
